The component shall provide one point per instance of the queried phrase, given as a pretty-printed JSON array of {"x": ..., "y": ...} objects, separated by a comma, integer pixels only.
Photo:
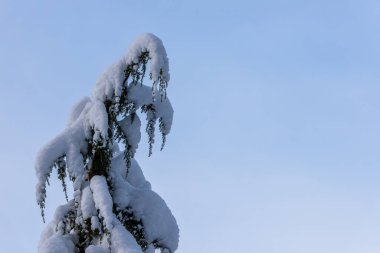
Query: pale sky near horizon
[{"x": 275, "y": 141}]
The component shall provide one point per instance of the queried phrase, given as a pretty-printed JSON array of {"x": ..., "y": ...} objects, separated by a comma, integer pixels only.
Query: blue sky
[{"x": 275, "y": 141}]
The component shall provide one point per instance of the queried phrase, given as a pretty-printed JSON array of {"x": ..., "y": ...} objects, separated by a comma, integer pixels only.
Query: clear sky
[{"x": 275, "y": 142}]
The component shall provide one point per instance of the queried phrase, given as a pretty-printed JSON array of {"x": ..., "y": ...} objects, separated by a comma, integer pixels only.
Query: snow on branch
[
  {"x": 103, "y": 200},
  {"x": 133, "y": 66}
]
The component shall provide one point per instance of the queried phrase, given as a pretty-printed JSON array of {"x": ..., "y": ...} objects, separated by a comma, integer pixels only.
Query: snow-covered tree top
[
  {"x": 107, "y": 190},
  {"x": 90, "y": 113}
]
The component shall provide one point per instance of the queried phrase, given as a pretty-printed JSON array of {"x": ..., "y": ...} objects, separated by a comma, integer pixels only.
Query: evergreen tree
[{"x": 113, "y": 208}]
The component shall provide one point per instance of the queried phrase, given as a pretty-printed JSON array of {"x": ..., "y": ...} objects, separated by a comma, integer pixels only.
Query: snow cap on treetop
[{"x": 111, "y": 82}]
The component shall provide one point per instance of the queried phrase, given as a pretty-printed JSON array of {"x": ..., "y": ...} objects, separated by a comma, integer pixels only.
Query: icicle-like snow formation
[{"x": 113, "y": 208}]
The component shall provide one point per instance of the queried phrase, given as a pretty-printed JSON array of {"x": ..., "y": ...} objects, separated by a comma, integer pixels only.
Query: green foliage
[
  {"x": 162, "y": 128},
  {"x": 101, "y": 161},
  {"x": 133, "y": 225},
  {"x": 68, "y": 223},
  {"x": 150, "y": 127},
  {"x": 60, "y": 164}
]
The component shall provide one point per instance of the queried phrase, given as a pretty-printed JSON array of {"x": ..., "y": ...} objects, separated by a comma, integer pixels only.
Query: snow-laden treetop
[
  {"x": 107, "y": 194},
  {"x": 112, "y": 81}
]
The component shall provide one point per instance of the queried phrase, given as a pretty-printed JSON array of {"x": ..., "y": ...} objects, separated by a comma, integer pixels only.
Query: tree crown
[{"x": 113, "y": 208}]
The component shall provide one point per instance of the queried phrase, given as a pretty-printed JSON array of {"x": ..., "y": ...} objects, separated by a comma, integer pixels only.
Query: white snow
[
  {"x": 158, "y": 221},
  {"x": 97, "y": 119},
  {"x": 95, "y": 249},
  {"x": 142, "y": 95},
  {"x": 58, "y": 244},
  {"x": 87, "y": 203},
  {"x": 131, "y": 130},
  {"x": 135, "y": 192},
  {"x": 123, "y": 241},
  {"x": 52, "y": 238},
  {"x": 77, "y": 110},
  {"x": 95, "y": 224},
  {"x": 103, "y": 200}
]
